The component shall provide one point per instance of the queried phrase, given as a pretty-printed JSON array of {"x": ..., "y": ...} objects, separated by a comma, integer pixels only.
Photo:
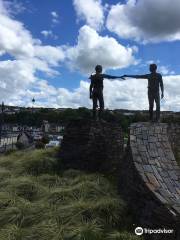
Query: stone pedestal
[
  {"x": 92, "y": 146},
  {"x": 148, "y": 173},
  {"x": 174, "y": 138},
  {"x": 149, "y": 179}
]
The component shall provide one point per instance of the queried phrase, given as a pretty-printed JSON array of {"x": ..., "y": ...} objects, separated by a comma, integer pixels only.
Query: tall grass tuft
[
  {"x": 122, "y": 236},
  {"x": 39, "y": 203},
  {"x": 89, "y": 230}
]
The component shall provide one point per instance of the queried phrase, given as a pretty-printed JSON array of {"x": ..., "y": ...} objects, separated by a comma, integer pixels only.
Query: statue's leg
[
  {"x": 94, "y": 105},
  {"x": 157, "y": 100},
  {"x": 151, "y": 105},
  {"x": 101, "y": 104}
]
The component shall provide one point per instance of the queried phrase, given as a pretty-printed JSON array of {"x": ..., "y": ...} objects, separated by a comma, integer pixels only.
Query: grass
[{"x": 39, "y": 203}]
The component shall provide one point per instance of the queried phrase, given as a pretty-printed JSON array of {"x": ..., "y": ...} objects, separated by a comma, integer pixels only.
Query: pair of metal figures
[{"x": 155, "y": 82}]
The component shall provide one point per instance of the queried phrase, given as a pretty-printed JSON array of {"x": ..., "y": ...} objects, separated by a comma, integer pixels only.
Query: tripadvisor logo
[{"x": 139, "y": 231}]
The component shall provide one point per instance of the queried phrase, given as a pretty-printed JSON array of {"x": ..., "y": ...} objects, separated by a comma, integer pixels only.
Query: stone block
[{"x": 153, "y": 180}]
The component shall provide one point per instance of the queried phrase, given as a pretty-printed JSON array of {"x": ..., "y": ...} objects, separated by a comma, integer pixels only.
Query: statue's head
[
  {"x": 152, "y": 67},
  {"x": 98, "y": 69}
]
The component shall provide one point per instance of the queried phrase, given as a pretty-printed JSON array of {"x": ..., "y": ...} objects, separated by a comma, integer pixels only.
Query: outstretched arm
[
  {"x": 137, "y": 76},
  {"x": 112, "y": 77}
]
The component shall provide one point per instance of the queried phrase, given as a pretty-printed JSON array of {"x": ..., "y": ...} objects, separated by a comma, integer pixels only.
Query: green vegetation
[
  {"x": 20, "y": 145},
  {"x": 30, "y": 118},
  {"x": 38, "y": 203},
  {"x": 39, "y": 145}
]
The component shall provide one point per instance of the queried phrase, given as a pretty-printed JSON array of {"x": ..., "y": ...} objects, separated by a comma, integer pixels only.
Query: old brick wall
[
  {"x": 92, "y": 146},
  {"x": 148, "y": 172},
  {"x": 174, "y": 138},
  {"x": 150, "y": 178}
]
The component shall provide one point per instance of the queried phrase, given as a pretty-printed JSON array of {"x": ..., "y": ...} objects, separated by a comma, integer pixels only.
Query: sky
[{"x": 48, "y": 49}]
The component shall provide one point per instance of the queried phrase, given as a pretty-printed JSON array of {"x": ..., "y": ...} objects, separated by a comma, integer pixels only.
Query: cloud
[
  {"x": 19, "y": 81},
  {"x": 54, "y": 14},
  {"x": 150, "y": 20},
  {"x": 172, "y": 97},
  {"x": 12, "y": 7},
  {"x": 93, "y": 49},
  {"x": 130, "y": 94},
  {"x": 55, "y": 17},
  {"x": 26, "y": 57},
  {"x": 49, "y": 33},
  {"x": 14, "y": 38},
  {"x": 49, "y": 54},
  {"x": 46, "y": 33},
  {"x": 165, "y": 70},
  {"x": 91, "y": 11},
  {"x": 47, "y": 95},
  {"x": 77, "y": 98}
]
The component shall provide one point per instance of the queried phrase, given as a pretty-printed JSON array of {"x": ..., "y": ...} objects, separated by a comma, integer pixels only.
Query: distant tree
[
  {"x": 39, "y": 145},
  {"x": 83, "y": 112},
  {"x": 45, "y": 139}
]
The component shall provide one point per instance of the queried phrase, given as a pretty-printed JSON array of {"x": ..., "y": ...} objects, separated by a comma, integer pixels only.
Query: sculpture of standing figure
[
  {"x": 96, "y": 89},
  {"x": 154, "y": 82}
]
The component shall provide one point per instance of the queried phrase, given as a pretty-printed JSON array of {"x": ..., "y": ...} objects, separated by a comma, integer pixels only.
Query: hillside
[{"x": 40, "y": 203}]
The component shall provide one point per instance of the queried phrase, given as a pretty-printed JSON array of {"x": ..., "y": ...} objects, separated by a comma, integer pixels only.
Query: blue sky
[{"x": 49, "y": 48}]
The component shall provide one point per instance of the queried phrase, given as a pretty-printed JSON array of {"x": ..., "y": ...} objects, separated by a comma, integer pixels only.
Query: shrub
[
  {"x": 20, "y": 146},
  {"x": 10, "y": 151},
  {"x": 45, "y": 139},
  {"x": 39, "y": 145}
]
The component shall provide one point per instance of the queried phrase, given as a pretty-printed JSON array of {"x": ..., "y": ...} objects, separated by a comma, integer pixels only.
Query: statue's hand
[
  {"x": 123, "y": 77},
  {"x": 162, "y": 95}
]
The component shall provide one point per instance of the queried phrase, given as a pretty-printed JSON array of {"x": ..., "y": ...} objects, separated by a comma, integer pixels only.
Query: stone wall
[
  {"x": 174, "y": 138},
  {"x": 148, "y": 172},
  {"x": 149, "y": 179},
  {"x": 92, "y": 146}
]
